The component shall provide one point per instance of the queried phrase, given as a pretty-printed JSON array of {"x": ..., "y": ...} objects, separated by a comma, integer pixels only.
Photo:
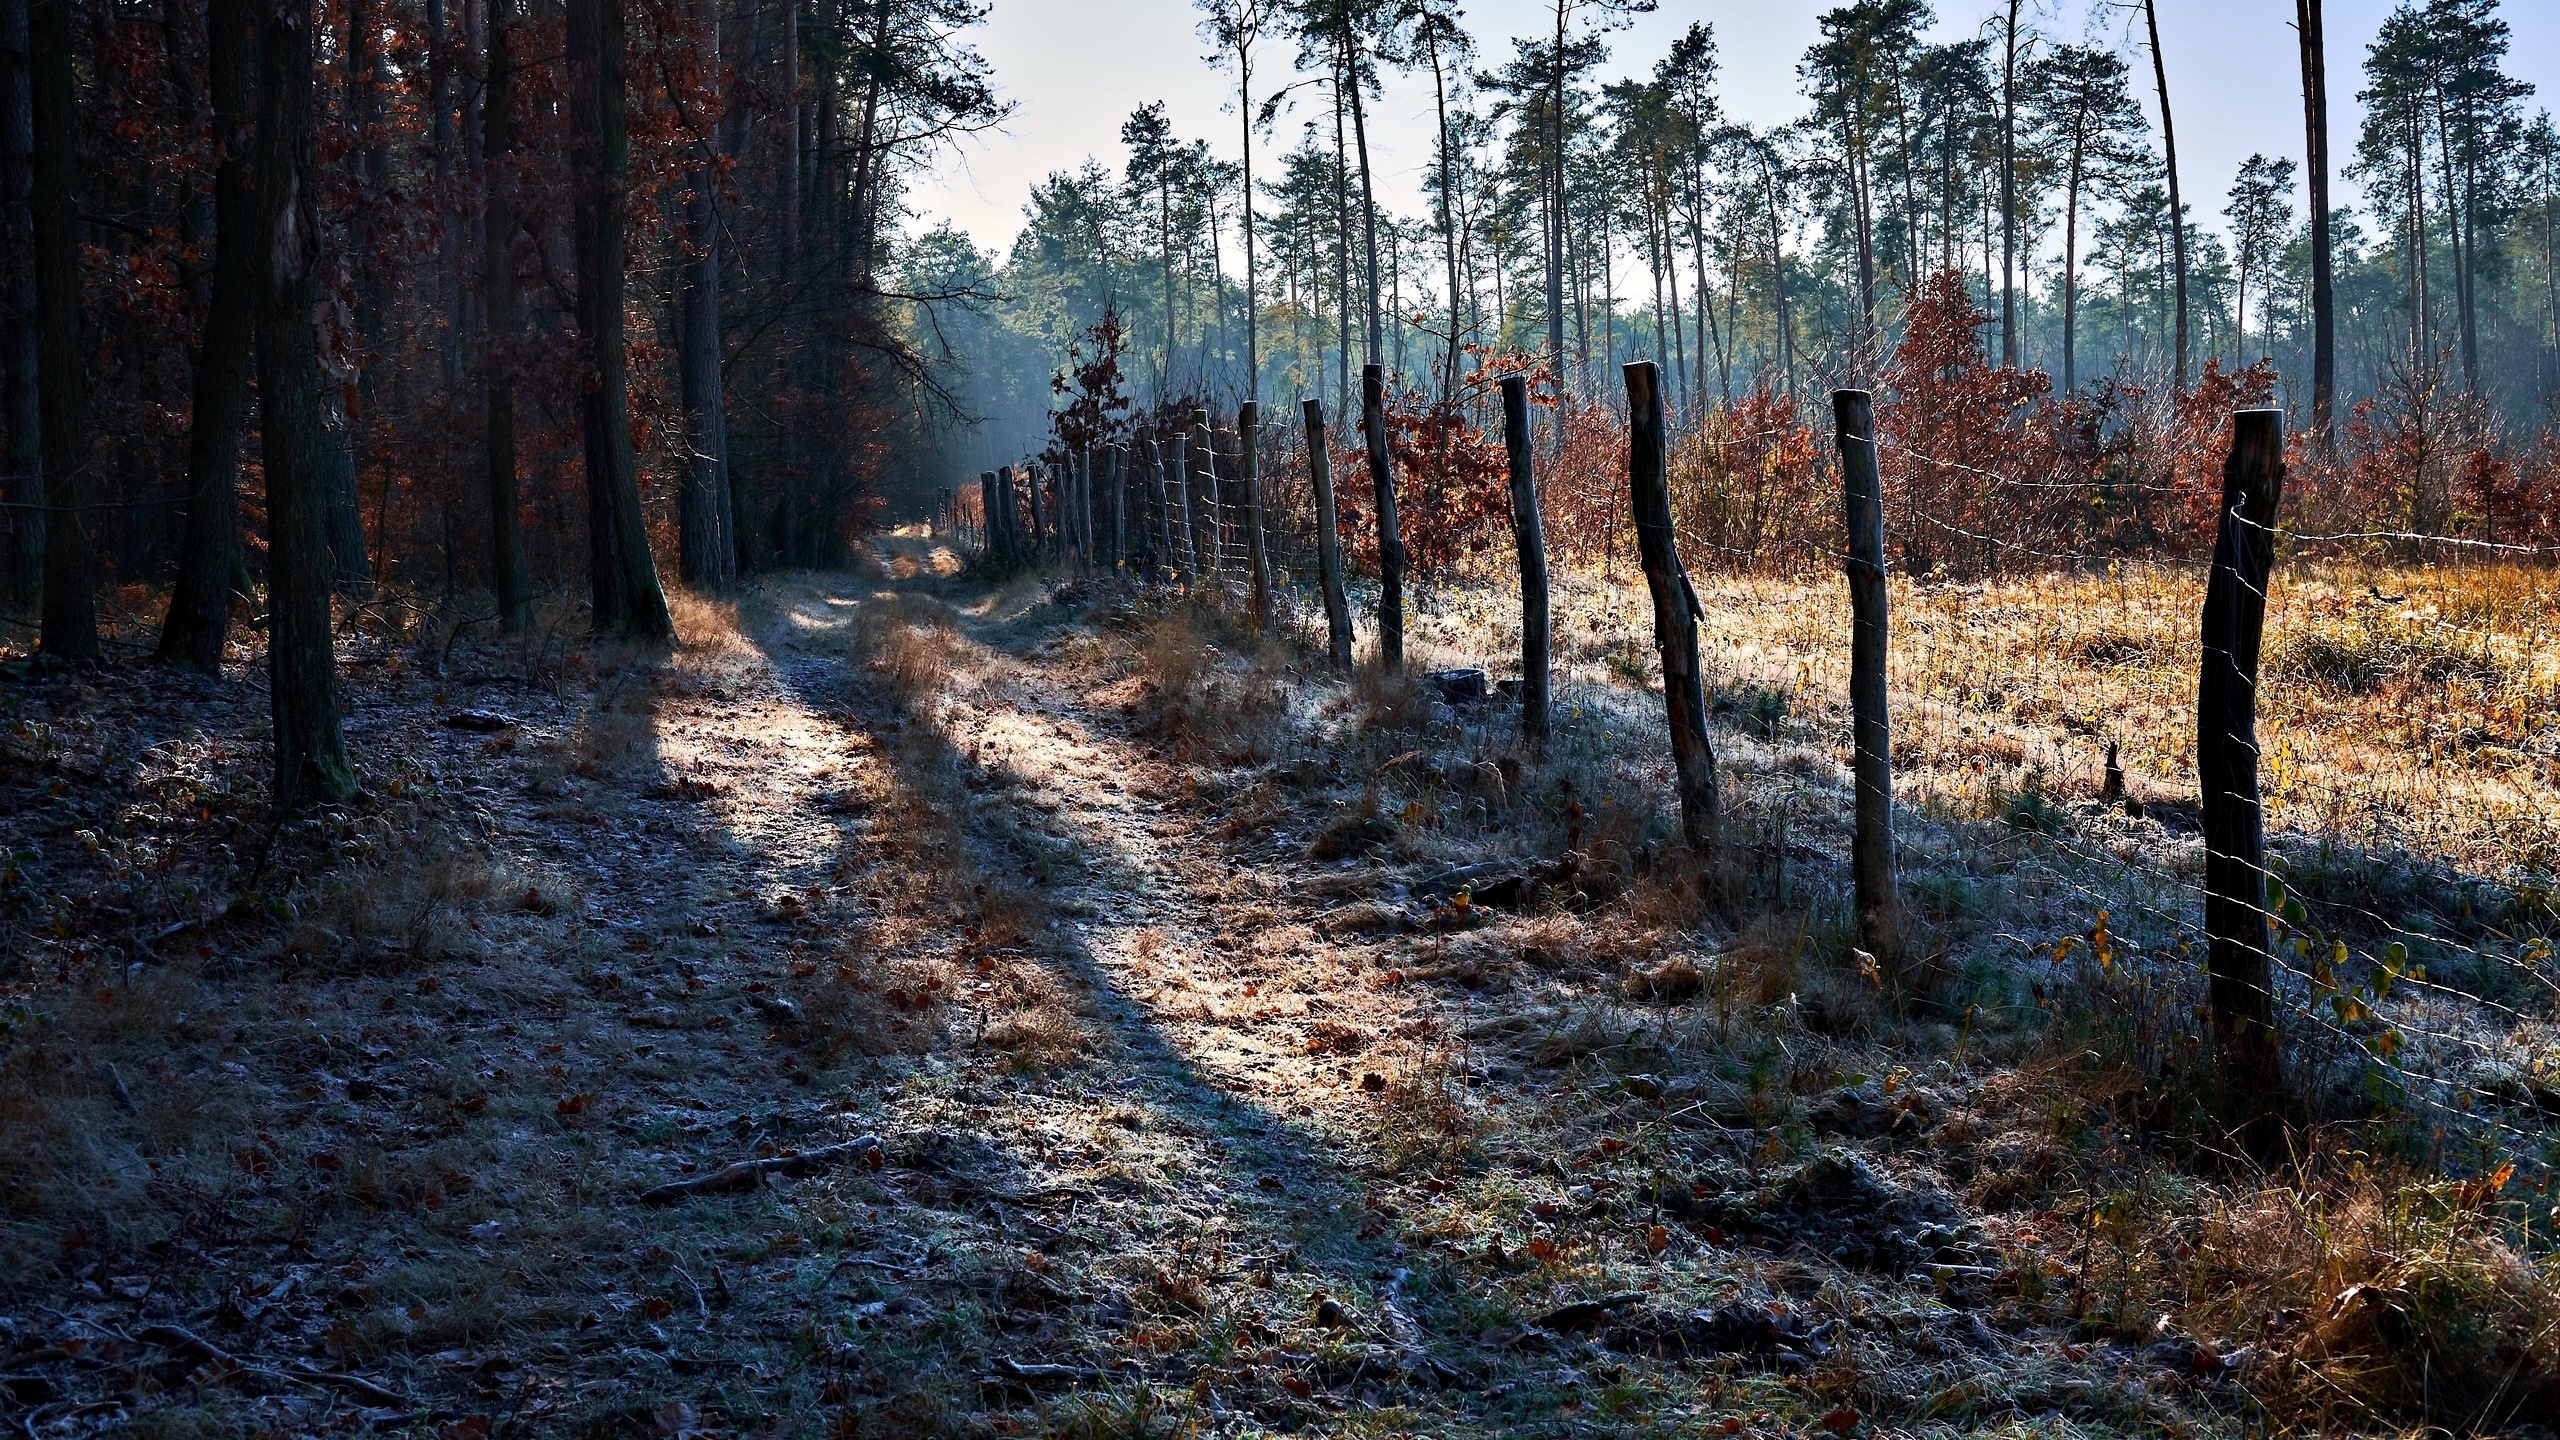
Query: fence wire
[{"x": 2044, "y": 753}]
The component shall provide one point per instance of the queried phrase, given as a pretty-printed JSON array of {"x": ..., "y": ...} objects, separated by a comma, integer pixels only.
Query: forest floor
[{"x": 1122, "y": 1028}]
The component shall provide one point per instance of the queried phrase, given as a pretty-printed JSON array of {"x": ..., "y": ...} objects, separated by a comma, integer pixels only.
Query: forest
[{"x": 1598, "y": 765}]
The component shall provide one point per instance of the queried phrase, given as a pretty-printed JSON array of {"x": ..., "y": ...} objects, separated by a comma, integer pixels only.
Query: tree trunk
[
  {"x": 2009, "y": 193},
  {"x": 1676, "y": 612},
  {"x": 2315, "y": 165},
  {"x": 1368, "y": 190},
  {"x": 1337, "y": 605},
  {"x": 1555, "y": 216},
  {"x": 2071, "y": 277},
  {"x": 2239, "y": 967},
  {"x": 22, "y": 484},
  {"x": 507, "y": 570},
  {"x": 368, "y": 167},
  {"x": 209, "y": 553},
  {"x": 1448, "y": 219},
  {"x": 1879, "y": 902},
  {"x": 1778, "y": 269},
  {"x": 1244, "y": 114},
  {"x": 310, "y": 749},
  {"x": 70, "y": 618},
  {"x": 1529, "y": 540},
  {"x": 625, "y": 579},
  {"x": 1382, "y": 475},
  {"x": 708, "y": 555},
  {"x": 2177, "y": 208}
]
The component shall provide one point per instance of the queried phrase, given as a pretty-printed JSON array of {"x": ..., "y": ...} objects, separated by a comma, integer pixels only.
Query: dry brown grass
[
  {"x": 2401, "y": 707},
  {"x": 908, "y": 641},
  {"x": 1200, "y": 698},
  {"x": 2379, "y": 1296}
]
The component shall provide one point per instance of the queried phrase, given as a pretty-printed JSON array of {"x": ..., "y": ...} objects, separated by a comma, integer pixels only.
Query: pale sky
[{"x": 1076, "y": 68}]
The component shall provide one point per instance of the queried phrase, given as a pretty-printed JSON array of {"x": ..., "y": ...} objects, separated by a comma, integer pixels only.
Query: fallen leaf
[
  {"x": 1656, "y": 1239},
  {"x": 1296, "y": 1385},
  {"x": 1841, "y": 1421},
  {"x": 574, "y": 1105}
]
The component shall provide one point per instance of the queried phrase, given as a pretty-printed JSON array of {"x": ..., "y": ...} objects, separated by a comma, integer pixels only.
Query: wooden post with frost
[
  {"x": 2239, "y": 970},
  {"x": 1382, "y": 474},
  {"x": 1676, "y": 611},
  {"x": 1529, "y": 538},
  {"x": 986, "y": 512},
  {"x": 1879, "y": 901},
  {"x": 1249, "y": 486},
  {"x": 1337, "y": 605}
]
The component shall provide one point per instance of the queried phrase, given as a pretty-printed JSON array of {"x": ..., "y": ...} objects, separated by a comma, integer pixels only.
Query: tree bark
[
  {"x": 1382, "y": 476},
  {"x": 310, "y": 748},
  {"x": 22, "y": 483},
  {"x": 2177, "y": 209},
  {"x": 209, "y": 553},
  {"x": 708, "y": 555},
  {"x": 2009, "y": 193},
  {"x": 507, "y": 570},
  {"x": 1676, "y": 611},
  {"x": 70, "y": 612},
  {"x": 625, "y": 579},
  {"x": 2239, "y": 968},
  {"x": 1368, "y": 189},
  {"x": 1337, "y": 604},
  {"x": 368, "y": 164},
  {"x": 2315, "y": 166},
  {"x": 1555, "y": 210},
  {"x": 2071, "y": 270},
  {"x": 1879, "y": 901},
  {"x": 1529, "y": 539}
]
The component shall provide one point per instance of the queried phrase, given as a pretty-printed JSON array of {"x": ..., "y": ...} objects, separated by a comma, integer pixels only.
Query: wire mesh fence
[{"x": 2044, "y": 670}]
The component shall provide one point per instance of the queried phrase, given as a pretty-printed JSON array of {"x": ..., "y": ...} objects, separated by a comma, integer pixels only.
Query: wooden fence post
[
  {"x": 1185, "y": 557},
  {"x": 1879, "y": 900},
  {"x": 1249, "y": 480},
  {"x": 1038, "y": 540},
  {"x": 1382, "y": 475},
  {"x": 1208, "y": 559},
  {"x": 986, "y": 512},
  {"x": 1009, "y": 500},
  {"x": 2240, "y": 987},
  {"x": 1529, "y": 538},
  {"x": 1676, "y": 611},
  {"x": 1085, "y": 553},
  {"x": 1070, "y": 503},
  {"x": 1117, "y": 488},
  {"x": 1151, "y": 465},
  {"x": 1337, "y": 605}
]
